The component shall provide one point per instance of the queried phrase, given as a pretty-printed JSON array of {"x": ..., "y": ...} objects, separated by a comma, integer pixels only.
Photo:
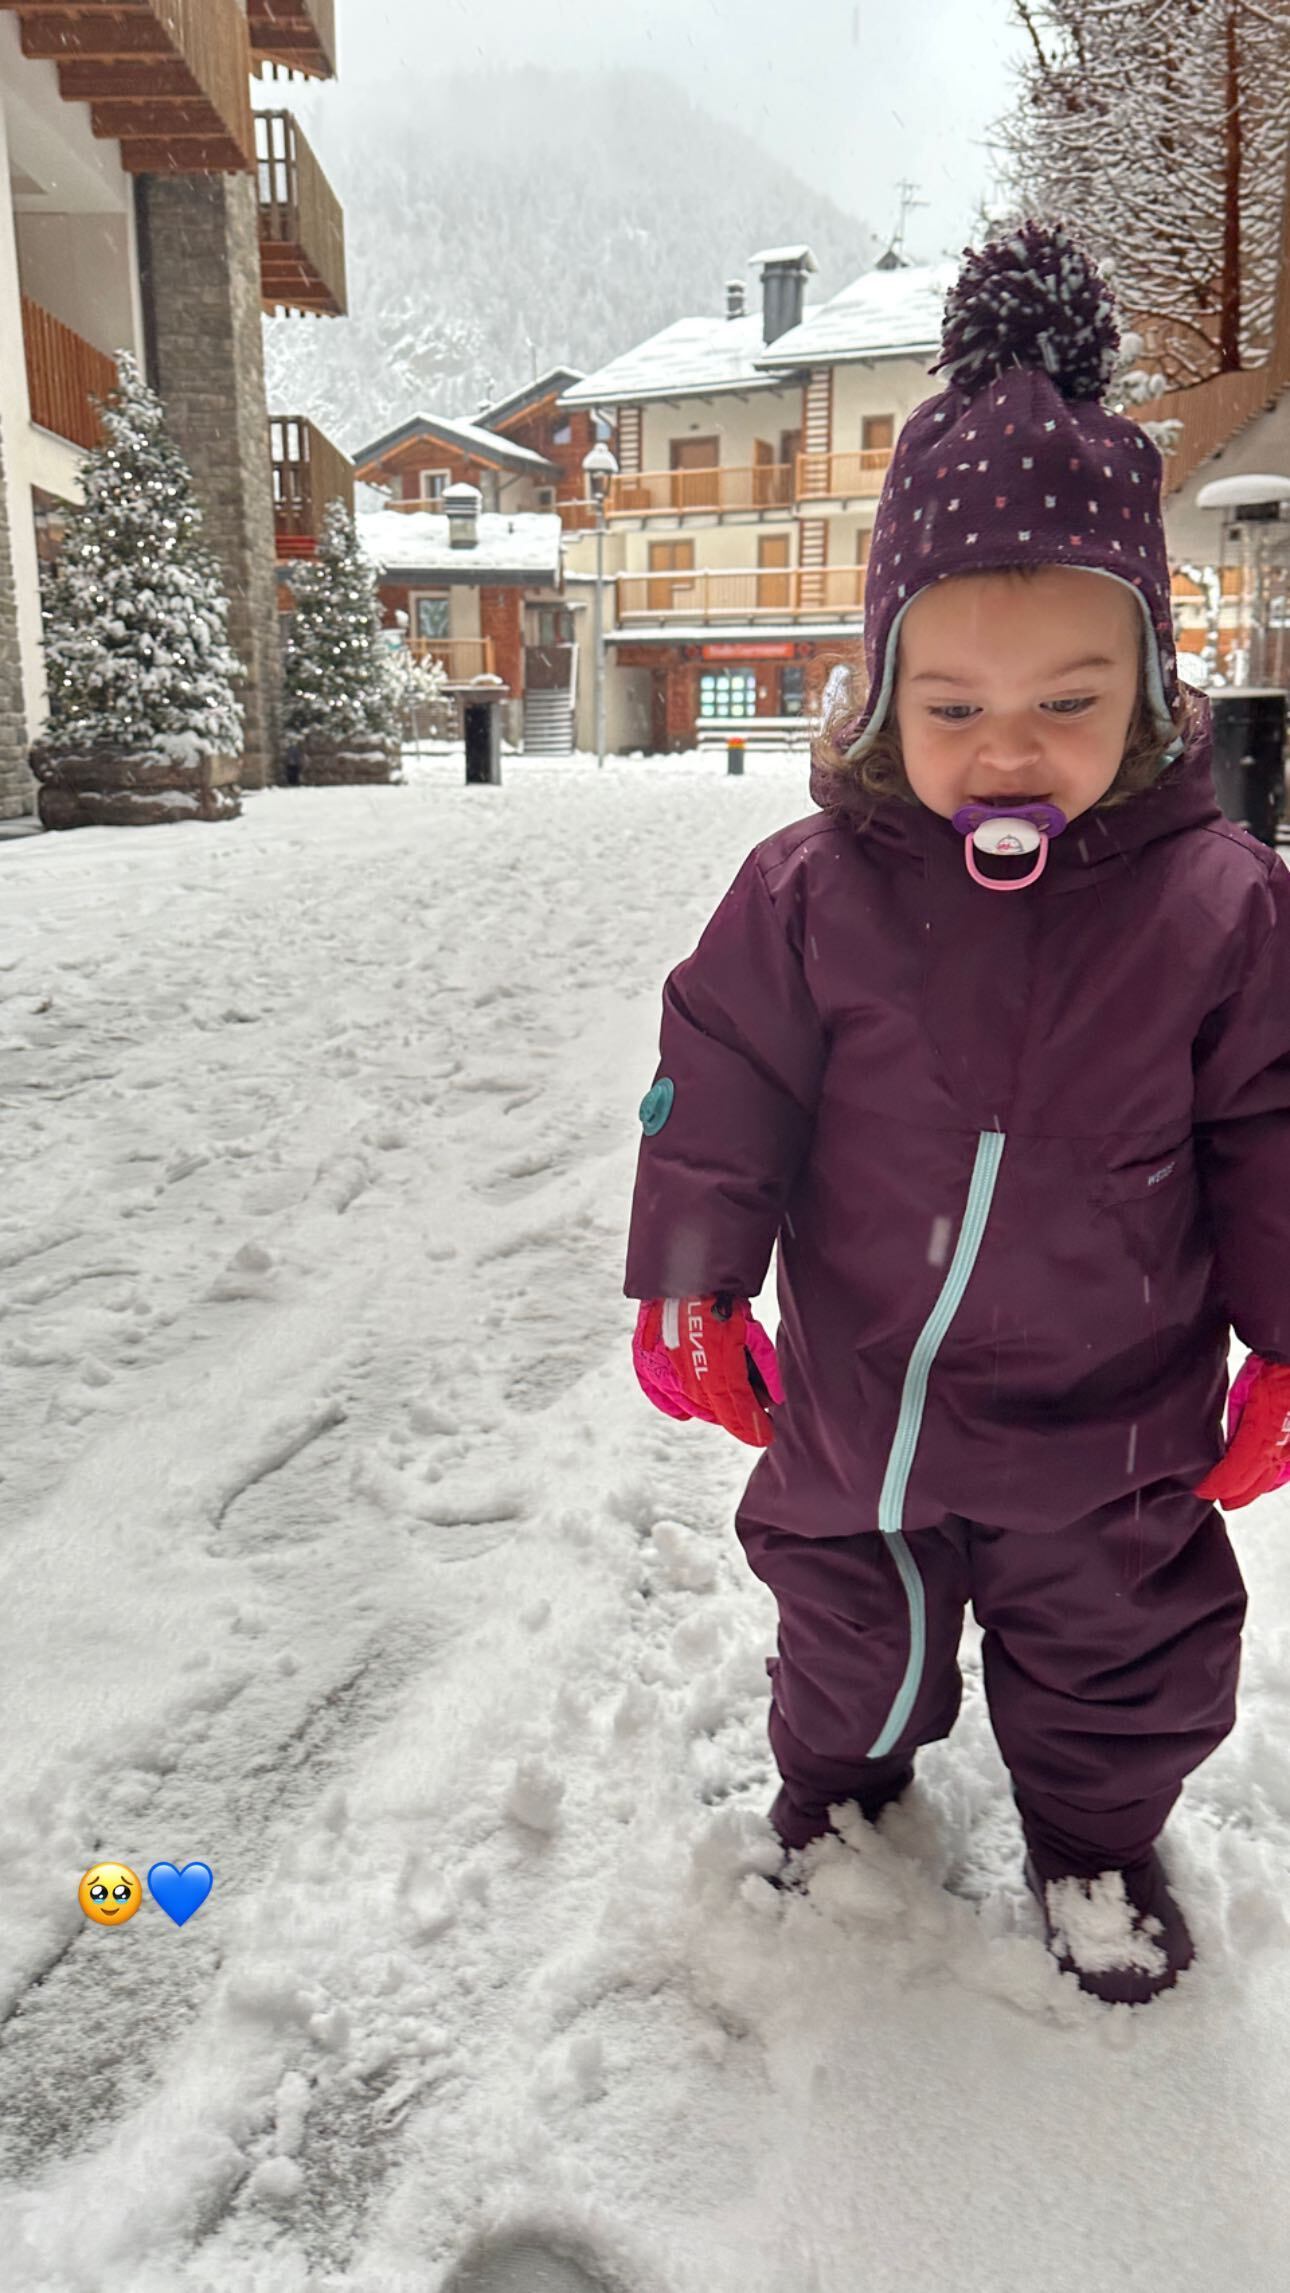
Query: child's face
[{"x": 1015, "y": 691}]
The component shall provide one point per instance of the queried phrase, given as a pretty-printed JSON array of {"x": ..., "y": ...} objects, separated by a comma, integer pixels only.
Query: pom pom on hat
[{"x": 1031, "y": 299}]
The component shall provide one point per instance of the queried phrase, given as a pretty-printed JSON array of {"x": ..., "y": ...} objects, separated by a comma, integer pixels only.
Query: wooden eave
[
  {"x": 168, "y": 79},
  {"x": 298, "y": 34}
]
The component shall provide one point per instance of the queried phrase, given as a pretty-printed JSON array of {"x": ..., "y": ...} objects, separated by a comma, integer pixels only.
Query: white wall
[
  {"x": 892, "y": 386},
  {"x": 735, "y": 421},
  {"x": 67, "y": 240}
]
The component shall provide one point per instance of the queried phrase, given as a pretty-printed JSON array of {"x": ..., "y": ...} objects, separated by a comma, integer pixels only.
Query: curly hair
[{"x": 880, "y": 772}]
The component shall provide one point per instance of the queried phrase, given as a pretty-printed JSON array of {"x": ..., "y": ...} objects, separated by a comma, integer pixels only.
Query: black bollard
[
  {"x": 735, "y": 753},
  {"x": 1249, "y": 757},
  {"x": 482, "y": 725}
]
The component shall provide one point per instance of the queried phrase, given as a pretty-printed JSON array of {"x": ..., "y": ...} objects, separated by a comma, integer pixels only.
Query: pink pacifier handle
[{"x": 1005, "y": 883}]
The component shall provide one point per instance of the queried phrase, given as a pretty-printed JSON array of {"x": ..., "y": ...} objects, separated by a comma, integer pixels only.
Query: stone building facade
[{"x": 199, "y": 261}]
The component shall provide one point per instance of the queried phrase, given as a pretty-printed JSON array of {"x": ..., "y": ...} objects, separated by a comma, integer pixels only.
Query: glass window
[
  {"x": 792, "y": 689},
  {"x": 564, "y": 435},
  {"x": 432, "y": 615},
  {"x": 727, "y": 693},
  {"x": 433, "y": 483}
]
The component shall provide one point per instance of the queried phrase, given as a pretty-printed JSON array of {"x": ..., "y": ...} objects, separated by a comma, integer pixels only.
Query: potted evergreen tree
[
  {"x": 340, "y": 686},
  {"x": 144, "y": 726}
]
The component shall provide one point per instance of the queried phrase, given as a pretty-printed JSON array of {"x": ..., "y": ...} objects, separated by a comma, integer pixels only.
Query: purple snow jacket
[{"x": 1025, "y": 1158}]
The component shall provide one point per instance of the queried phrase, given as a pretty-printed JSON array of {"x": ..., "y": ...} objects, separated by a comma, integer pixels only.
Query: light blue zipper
[{"x": 909, "y": 1425}]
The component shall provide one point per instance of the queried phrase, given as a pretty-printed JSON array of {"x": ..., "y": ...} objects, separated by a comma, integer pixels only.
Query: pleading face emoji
[{"x": 109, "y": 1893}]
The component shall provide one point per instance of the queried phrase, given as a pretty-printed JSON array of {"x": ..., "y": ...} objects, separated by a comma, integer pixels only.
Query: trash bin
[
  {"x": 735, "y": 753},
  {"x": 1249, "y": 757}
]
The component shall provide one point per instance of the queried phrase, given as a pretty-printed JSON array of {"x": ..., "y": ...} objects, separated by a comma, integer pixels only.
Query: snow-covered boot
[
  {"x": 1120, "y": 1933},
  {"x": 797, "y": 1831}
]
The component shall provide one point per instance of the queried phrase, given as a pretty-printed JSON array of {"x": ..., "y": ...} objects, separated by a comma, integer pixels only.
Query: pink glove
[
  {"x": 739, "y": 1359},
  {"x": 1258, "y": 1437}
]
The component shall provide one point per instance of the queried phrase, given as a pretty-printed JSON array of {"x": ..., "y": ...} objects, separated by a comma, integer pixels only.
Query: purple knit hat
[{"x": 1018, "y": 462}]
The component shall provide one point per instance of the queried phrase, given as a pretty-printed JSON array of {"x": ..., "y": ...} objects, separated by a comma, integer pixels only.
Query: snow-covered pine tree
[
  {"x": 144, "y": 722},
  {"x": 340, "y": 701},
  {"x": 1158, "y": 129}
]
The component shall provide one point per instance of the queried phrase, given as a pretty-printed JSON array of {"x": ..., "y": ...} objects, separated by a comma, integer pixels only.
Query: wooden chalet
[{"x": 523, "y": 457}]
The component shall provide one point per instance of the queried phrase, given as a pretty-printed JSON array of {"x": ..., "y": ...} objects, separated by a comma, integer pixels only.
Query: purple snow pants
[{"x": 1111, "y": 1652}]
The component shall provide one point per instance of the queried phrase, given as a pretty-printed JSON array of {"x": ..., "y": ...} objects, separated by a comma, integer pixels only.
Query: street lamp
[{"x": 599, "y": 466}]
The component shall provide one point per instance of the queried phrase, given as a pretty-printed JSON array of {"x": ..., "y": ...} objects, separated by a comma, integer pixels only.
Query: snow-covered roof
[
  {"x": 546, "y": 385},
  {"x": 688, "y": 359},
  {"x": 883, "y": 314},
  {"x": 526, "y": 544},
  {"x": 467, "y": 437}
]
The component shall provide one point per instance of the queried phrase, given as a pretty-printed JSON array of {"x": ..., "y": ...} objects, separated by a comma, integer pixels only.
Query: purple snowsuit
[{"x": 1025, "y": 1160}]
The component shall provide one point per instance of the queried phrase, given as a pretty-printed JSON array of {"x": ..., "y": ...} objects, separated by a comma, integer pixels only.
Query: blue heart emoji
[{"x": 180, "y": 1893}]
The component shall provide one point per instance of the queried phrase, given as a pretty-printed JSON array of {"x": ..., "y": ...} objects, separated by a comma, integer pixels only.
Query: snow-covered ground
[{"x": 340, "y": 1550}]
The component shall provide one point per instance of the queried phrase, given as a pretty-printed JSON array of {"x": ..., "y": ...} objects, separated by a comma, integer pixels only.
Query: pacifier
[{"x": 1007, "y": 833}]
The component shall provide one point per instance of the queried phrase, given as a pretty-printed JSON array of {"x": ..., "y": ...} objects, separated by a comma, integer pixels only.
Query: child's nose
[{"x": 1010, "y": 750}]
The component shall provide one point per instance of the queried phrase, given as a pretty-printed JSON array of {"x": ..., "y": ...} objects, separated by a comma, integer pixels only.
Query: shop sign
[{"x": 750, "y": 652}]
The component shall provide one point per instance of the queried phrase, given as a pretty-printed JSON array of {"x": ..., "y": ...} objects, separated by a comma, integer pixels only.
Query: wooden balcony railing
[
  {"x": 462, "y": 657},
  {"x": 302, "y": 228},
  {"x": 168, "y": 78},
  {"x": 65, "y": 374},
  {"x": 708, "y": 596},
  {"x": 308, "y": 473},
  {"x": 726, "y": 486},
  {"x": 577, "y": 516},
  {"x": 835, "y": 477},
  {"x": 300, "y": 35}
]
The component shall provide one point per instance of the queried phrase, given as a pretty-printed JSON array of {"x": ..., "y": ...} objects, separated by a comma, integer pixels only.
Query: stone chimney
[
  {"x": 462, "y": 505},
  {"x": 735, "y": 307},
  {"x": 783, "y": 287}
]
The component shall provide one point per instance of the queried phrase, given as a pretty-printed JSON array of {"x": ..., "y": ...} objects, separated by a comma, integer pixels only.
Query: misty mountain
[{"x": 502, "y": 223}]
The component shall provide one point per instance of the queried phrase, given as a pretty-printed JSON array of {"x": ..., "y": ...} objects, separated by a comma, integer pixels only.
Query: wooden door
[
  {"x": 695, "y": 484},
  {"x": 667, "y": 557},
  {"x": 763, "y": 466},
  {"x": 773, "y": 589}
]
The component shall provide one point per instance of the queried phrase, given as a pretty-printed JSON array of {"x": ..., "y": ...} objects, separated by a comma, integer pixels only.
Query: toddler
[{"x": 995, "y": 1048}]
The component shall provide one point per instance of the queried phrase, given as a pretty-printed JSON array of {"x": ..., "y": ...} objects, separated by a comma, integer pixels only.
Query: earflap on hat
[{"x": 1018, "y": 464}]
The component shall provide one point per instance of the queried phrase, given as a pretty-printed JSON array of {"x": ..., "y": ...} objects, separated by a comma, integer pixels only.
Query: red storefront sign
[{"x": 750, "y": 652}]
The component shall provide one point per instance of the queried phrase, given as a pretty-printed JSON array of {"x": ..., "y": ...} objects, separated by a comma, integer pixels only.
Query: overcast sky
[{"x": 852, "y": 94}]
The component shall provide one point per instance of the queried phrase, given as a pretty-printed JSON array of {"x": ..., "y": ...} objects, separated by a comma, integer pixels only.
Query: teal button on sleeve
[{"x": 656, "y": 1105}]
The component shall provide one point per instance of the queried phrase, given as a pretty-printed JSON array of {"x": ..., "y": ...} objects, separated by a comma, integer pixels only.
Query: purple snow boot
[
  {"x": 1120, "y": 1934},
  {"x": 797, "y": 1830}
]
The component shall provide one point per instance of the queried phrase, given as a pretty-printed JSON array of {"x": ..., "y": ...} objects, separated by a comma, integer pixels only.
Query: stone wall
[
  {"x": 199, "y": 257},
  {"x": 17, "y": 787}
]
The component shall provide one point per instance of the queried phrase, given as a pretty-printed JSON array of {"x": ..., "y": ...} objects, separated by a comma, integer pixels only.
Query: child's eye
[{"x": 958, "y": 712}]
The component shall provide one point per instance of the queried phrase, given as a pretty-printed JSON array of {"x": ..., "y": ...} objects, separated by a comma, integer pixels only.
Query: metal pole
[{"x": 598, "y": 635}]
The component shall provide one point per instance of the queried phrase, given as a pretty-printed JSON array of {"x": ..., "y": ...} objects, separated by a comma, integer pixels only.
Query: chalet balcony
[
  {"x": 843, "y": 477},
  {"x": 297, "y": 35},
  {"x": 461, "y": 657},
  {"x": 782, "y": 591},
  {"x": 576, "y": 516},
  {"x": 725, "y": 486},
  {"x": 65, "y": 374},
  {"x": 302, "y": 227},
  {"x": 308, "y": 473},
  {"x": 167, "y": 78}
]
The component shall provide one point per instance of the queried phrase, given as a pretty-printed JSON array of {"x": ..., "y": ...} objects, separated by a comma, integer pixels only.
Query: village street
[{"x": 340, "y": 1551}]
